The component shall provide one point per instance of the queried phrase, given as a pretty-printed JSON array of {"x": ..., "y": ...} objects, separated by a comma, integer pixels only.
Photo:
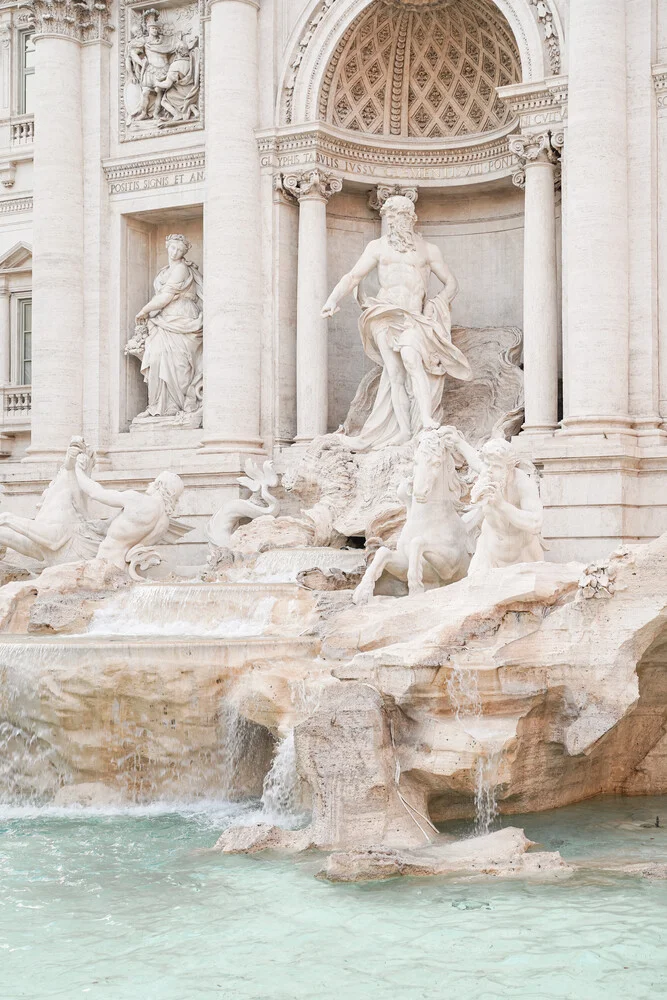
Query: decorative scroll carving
[
  {"x": 295, "y": 65},
  {"x": 546, "y": 19},
  {"x": 430, "y": 73},
  {"x": 161, "y": 70},
  {"x": 311, "y": 184},
  {"x": 85, "y": 20}
]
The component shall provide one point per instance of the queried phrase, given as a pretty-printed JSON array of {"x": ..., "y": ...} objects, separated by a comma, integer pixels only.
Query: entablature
[{"x": 432, "y": 164}]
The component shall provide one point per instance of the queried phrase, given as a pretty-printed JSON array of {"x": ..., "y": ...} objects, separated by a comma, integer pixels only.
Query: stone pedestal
[
  {"x": 312, "y": 189},
  {"x": 232, "y": 247},
  {"x": 539, "y": 156}
]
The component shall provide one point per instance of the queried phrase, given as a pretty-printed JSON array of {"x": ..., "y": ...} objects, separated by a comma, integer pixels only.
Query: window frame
[
  {"x": 17, "y": 346},
  {"x": 23, "y": 71}
]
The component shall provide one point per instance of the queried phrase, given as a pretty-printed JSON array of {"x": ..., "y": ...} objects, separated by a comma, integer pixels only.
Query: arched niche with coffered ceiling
[{"x": 409, "y": 90}]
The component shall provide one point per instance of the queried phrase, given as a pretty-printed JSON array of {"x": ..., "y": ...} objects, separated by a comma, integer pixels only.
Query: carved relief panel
[{"x": 161, "y": 69}]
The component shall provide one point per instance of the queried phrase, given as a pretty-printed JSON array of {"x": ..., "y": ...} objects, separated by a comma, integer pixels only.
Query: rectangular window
[
  {"x": 26, "y": 72},
  {"x": 25, "y": 341}
]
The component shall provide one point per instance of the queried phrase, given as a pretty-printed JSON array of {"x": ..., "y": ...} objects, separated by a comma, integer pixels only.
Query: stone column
[
  {"x": 660, "y": 83},
  {"x": 313, "y": 190},
  {"x": 232, "y": 233},
  {"x": 597, "y": 222},
  {"x": 539, "y": 155},
  {"x": 58, "y": 227}
]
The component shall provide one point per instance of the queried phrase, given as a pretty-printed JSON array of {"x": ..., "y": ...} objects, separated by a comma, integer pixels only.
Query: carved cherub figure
[{"x": 145, "y": 520}]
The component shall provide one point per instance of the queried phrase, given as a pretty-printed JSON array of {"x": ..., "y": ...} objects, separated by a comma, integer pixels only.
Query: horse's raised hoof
[{"x": 362, "y": 594}]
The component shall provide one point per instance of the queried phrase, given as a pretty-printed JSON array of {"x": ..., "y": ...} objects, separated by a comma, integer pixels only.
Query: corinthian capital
[
  {"x": 84, "y": 21},
  {"x": 312, "y": 184},
  {"x": 545, "y": 146},
  {"x": 378, "y": 195}
]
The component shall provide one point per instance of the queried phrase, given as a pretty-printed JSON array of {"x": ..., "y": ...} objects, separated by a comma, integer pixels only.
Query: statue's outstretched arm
[{"x": 110, "y": 498}]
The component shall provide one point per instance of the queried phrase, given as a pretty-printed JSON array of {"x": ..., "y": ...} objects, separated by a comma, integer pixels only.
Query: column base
[
  {"x": 39, "y": 456},
  {"x": 230, "y": 445},
  {"x": 541, "y": 430},
  {"x": 599, "y": 425}
]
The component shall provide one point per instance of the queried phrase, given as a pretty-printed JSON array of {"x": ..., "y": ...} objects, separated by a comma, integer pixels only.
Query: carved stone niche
[
  {"x": 161, "y": 51},
  {"x": 144, "y": 266}
]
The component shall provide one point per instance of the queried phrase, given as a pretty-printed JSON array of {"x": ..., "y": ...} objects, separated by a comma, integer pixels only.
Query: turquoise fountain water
[{"x": 132, "y": 904}]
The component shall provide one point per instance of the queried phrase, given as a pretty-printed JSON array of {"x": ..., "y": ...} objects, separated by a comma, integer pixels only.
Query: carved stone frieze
[
  {"x": 85, "y": 21},
  {"x": 316, "y": 146},
  {"x": 300, "y": 52},
  {"x": 161, "y": 71},
  {"x": 546, "y": 19},
  {"x": 538, "y": 107},
  {"x": 312, "y": 184},
  {"x": 129, "y": 175}
]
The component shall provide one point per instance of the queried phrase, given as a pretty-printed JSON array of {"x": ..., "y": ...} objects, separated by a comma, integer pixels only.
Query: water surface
[{"x": 130, "y": 906}]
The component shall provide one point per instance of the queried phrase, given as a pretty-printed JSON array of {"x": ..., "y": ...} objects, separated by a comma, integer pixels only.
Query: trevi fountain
[{"x": 333, "y": 531}]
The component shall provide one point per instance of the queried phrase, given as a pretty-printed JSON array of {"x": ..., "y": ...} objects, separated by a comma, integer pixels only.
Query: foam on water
[{"x": 172, "y": 611}]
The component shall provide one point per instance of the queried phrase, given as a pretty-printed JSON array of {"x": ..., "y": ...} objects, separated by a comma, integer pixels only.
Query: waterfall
[
  {"x": 486, "y": 782},
  {"x": 30, "y": 772},
  {"x": 281, "y": 797},
  {"x": 195, "y": 610},
  {"x": 467, "y": 704}
]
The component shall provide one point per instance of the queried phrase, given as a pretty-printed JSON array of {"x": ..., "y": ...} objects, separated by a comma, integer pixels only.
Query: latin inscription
[{"x": 161, "y": 181}]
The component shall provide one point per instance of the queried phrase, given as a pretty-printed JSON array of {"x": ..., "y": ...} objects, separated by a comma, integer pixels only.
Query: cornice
[
  {"x": 395, "y": 160},
  {"x": 122, "y": 169}
]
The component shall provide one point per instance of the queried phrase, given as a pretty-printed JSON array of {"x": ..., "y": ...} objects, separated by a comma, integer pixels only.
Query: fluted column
[
  {"x": 597, "y": 247},
  {"x": 313, "y": 190},
  {"x": 539, "y": 155},
  {"x": 232, "y": 233}
]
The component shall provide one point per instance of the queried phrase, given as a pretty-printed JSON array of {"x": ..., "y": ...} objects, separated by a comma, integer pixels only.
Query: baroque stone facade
[{"x": 269, "y": 137}]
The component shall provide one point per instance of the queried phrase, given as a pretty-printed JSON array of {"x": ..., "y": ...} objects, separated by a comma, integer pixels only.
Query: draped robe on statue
[
  {"x": 172, "y": 361},
  {"x": 430, "y": 334}
]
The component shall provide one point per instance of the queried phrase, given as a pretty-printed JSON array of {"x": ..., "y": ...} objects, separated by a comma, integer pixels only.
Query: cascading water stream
[
  {"x": 281, "y": 796},
  {"x": 161, "y": 610},
  {"x": 465, "y": 699}
]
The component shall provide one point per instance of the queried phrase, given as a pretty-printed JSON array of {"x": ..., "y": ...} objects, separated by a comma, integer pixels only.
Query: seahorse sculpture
[{"x": 259, "y": 481}]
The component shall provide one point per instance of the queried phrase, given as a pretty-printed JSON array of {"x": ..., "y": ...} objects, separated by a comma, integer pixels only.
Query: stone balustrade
[{"x": 23, "y": 131}]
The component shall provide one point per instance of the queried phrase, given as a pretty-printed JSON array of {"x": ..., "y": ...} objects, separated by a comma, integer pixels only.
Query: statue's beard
[{"x": 401, "y": 235}]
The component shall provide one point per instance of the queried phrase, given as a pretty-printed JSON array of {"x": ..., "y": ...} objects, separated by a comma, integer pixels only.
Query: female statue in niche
[{"x": 168, "y": 342}]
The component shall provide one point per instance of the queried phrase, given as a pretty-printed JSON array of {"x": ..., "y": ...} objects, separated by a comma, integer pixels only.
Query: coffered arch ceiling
[{"x": 424, "y": 70}]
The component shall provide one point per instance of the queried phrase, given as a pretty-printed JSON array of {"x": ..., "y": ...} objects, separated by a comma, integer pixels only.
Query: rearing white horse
[{"x": 433, "y": 546}]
